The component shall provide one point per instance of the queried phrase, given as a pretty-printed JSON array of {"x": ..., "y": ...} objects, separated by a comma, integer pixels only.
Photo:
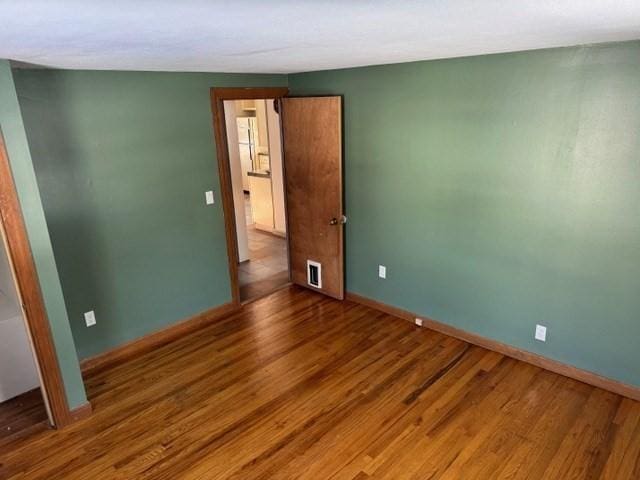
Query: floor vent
[{"x": 314, "y": 274}]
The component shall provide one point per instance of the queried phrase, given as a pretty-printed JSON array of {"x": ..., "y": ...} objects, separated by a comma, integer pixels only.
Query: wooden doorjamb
[
  {"x": 21, "y": 259},
  {"x": 218, "y": 97}
]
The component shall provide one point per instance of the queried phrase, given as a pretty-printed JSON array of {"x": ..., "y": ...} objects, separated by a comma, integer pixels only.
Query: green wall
[
  {"x": 501, "y": 191},
  {"x": 123, "y": 160},
  {"x": 22, "y": 168}
]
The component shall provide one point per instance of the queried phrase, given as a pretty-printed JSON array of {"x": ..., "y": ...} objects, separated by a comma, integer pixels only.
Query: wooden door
[{"x": 312, "y": 146}]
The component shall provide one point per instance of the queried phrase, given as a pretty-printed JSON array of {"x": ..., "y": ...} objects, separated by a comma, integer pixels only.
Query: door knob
[{"x": 341, "y": 221}]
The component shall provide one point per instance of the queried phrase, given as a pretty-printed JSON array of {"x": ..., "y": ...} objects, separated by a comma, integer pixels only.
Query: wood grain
[
  {"x": 298, "y": 385},
  {"x": 83, "y": 411},
  {"x": 570, "y": 371},
  {"x": 127, "y": 350},
  {"x": 312, "y": 147},
  {"x": 15, "y": 237},
  {"x": 22, "y": 414},
  {"x": 218, "y": 97}
]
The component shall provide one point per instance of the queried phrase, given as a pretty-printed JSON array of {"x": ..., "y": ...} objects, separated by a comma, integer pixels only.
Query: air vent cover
[{"x": 314, "y": 274}]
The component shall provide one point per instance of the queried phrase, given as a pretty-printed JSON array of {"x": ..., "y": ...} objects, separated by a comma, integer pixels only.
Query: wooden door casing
[{"x": 28, "y": 286}]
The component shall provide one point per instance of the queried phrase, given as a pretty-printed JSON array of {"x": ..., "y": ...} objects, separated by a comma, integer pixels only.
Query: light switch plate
[
  {"x": 90, "y": 318},
  {"x": 209, "y": 197},
  {"x": 541, "y": 333},
  {"x": 382, "y": 271}
]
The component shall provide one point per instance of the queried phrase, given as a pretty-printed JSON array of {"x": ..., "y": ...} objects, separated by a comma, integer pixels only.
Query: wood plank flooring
[
  {"x": 301, "y": 386},
  {"x": 21, "y": 415}
]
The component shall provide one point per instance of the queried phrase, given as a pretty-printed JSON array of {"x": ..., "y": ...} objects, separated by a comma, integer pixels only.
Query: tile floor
[{"x": 267, "y": 267}]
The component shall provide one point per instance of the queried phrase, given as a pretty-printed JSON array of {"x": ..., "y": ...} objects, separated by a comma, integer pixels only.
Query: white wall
[
  {"x": 18, "y": 372},
  {"x": 261, "y": 203},
  {"x": 263, "y": 133},
  {"x": 275, "y": 156},
  {"x": 230, "y": 114}
]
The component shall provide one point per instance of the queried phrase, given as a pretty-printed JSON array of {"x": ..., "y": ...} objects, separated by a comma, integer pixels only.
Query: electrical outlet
[
  {"x": 90, "y": 318},
  {"x": 382, "y": 271},
  {"x": 209, "y": 197},
  {"x": 541, "y": 333},
  {"x": 418, "y": 322}
]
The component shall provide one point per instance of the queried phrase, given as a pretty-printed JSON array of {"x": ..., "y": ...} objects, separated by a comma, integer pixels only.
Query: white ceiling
[{"x": 283, "y": 36}]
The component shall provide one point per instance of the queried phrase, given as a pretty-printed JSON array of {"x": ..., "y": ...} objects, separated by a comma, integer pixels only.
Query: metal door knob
[{"x": 335, "y": 221}]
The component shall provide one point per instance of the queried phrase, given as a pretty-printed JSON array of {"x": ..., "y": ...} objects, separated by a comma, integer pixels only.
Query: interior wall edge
[
  {"x": 500, "y": 192},
  {"x": 133, "y": 238},
  {"x": 23, "y": 173},
  {"x": 150, "y": 341},
  {"x": 547, "y": 363}
]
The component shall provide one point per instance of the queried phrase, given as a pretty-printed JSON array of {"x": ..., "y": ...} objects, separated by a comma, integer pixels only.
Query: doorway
[
  {"x": 22, "y": 280},
  {"x": 255, "y": 162},
  {"x": 308, "y": 145},
  {"x": 22, "y": 407}
]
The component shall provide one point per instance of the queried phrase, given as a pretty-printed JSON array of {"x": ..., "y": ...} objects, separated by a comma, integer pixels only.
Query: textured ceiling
[{"x": 291, "y": 36}]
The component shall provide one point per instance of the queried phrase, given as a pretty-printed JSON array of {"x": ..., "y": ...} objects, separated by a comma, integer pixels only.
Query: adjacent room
[
  {"x": 255, "y": 164},
  {"x": 22, "y": 407},
  {"x": 320, "y": 240}
]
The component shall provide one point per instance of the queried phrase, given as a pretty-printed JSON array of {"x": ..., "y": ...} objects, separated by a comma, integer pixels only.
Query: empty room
[{"x": 320, "y": 240}]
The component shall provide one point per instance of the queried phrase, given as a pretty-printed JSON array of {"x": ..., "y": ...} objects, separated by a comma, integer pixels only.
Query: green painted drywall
[
  {"x": 123, "y": 160},
  {"x": 501, "y": 191},
  {"x": 34, "y": 218}
]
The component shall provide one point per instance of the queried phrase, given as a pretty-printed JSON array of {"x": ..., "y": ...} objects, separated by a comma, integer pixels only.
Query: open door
[{"x": 312, "y": 146}]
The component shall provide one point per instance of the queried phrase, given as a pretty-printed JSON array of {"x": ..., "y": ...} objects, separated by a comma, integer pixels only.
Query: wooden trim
[
  {"x": 83, "y": 411},
  {"x": 554, "y": 366},
  {"x": 21, "y": 259},
  {"x": 218, "y": 96},
  {"x": 153, "y": 340},
  {"x": 248, "y": 93},
  {"x": 382, "y": 307}
]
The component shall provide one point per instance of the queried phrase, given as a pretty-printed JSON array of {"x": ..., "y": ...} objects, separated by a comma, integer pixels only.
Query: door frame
[
  {"x": 218, "y": 97},
  {"x": 12, "y": 228}
]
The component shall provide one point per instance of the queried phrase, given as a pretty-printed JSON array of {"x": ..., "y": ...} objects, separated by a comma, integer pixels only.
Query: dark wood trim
[
  {"x": 153, "y": 340},
  {"x": 560, "y": 368},
  {"x": 382, "y": 307},
  {"x": 218, "y": 96},
  {"x": 248, "y": 93},
  {"x": 83, "y": 411},
  {"x": 21, "y": 259}
]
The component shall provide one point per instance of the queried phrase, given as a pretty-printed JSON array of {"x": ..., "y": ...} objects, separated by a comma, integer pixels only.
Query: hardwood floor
[
  {"x": 301, "y": 386},
  {"x": 22, "y": 415},
  {"x": 264, "y": 286}
]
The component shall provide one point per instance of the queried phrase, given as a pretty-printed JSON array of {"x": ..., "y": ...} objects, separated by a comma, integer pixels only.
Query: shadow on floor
[
  {"x": 267, "y": 267},
  {"x": 22, "y": 415}
]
